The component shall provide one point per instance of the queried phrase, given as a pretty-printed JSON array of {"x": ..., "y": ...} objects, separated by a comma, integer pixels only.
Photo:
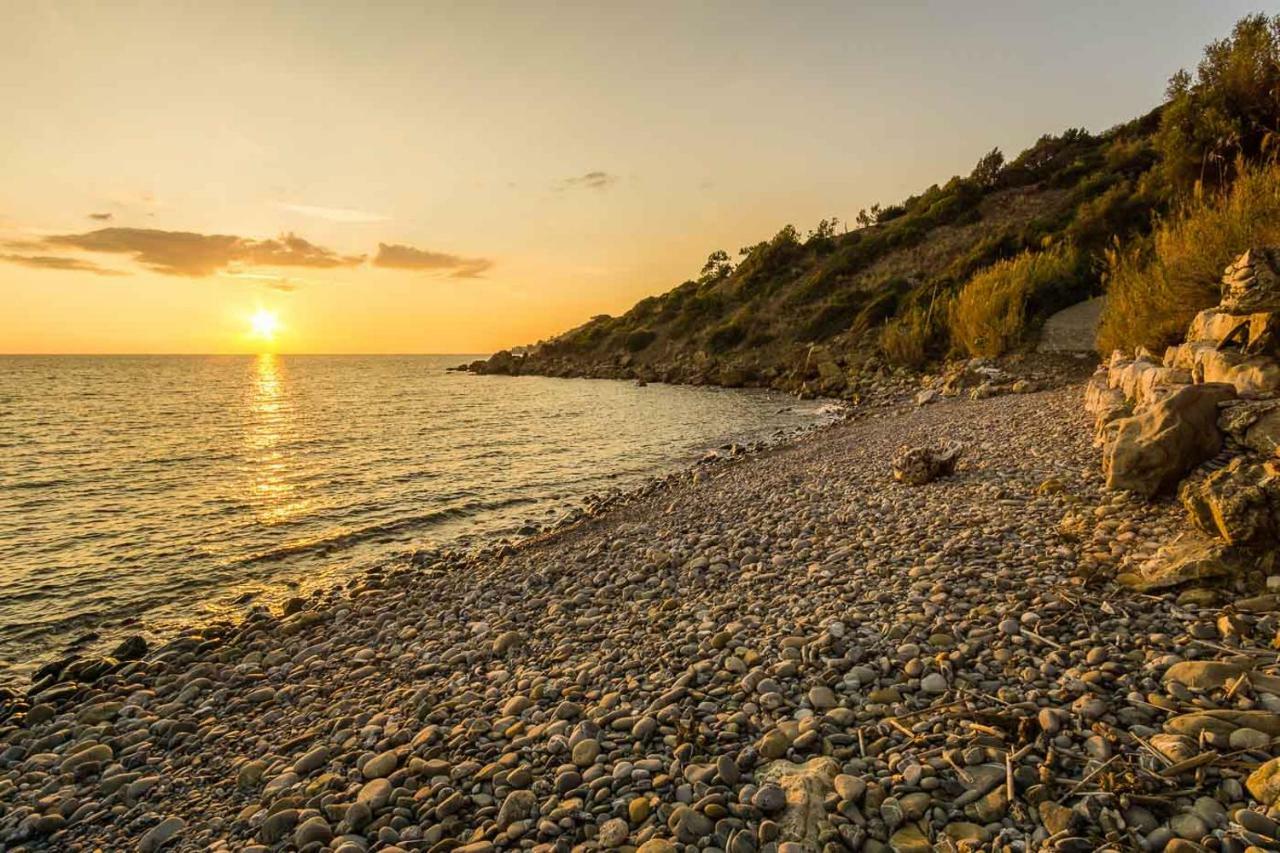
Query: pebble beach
[{"x": 786, "y": 651}]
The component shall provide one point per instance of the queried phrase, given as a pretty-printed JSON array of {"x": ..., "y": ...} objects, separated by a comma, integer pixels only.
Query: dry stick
[
  {"x": 1032, "y": 635},
  {"x": 1096, "y": 771},
  {"x": 1236, "y": 684},
  {"x": 1190, "y": 764}
]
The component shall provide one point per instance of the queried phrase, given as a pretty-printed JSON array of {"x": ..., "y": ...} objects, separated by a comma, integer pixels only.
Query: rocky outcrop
[
  {"x": 1236, "y": 503},
  {"x": 1216, "y": 394},
  {"x": 1151, "y": 451},
  {"x": 917, "y": 466}
]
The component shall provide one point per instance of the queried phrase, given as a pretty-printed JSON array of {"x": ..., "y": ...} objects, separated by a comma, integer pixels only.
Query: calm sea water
[{"x": 144, "y": 493}]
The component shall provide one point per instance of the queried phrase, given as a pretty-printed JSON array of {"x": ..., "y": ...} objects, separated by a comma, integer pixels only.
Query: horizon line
[{"x": 225, "y": 354}]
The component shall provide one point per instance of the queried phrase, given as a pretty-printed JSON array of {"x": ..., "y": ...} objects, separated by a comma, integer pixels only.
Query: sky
[{"x": 457, "y": 178}]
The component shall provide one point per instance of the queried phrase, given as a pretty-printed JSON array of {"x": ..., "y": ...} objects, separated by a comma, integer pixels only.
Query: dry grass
[
  {"x": 904, "y": 340},
  {"x": 988, "y": 317},
  {"x": 1155, "y": 288}
]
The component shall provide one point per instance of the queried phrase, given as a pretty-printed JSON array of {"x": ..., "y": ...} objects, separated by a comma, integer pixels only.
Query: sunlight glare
[{"x": 265, "y": 324}]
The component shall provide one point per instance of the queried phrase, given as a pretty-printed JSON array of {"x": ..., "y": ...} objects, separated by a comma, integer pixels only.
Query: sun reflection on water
[{"x": 270, "y": 426}]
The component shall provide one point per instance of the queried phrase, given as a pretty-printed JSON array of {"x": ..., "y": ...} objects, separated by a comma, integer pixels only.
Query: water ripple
[{"x": 163, "y": 489}]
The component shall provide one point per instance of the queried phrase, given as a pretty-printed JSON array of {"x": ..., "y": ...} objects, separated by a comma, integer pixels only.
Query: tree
[
  {"x": 988, "y": 169},
  {"x": 1230, "y": 108},
  {"x": 718, "y": 266}
]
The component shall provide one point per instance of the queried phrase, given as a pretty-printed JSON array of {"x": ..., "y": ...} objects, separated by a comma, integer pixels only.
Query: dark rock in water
[
  {"x": 294, "y": 605},
  {"x": 245, "y": 597},
  {"x": 132, "y": 647},
  {"x": 83, "y": 639}
]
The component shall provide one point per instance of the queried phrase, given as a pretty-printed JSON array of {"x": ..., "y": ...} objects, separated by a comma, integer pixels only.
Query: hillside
[{"x": 814, "y": 313}]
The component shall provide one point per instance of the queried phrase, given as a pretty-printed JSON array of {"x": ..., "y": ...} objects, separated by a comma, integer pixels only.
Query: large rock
[
  {"x": 1255, "y": 424},
  {"x": 1151, "y": 451},
  {"x": 1106, "y": 404},
  {"x": 917, "y": 466},
  {"x": 1254, "y": 333},
  {"x": 1252, "y": 282},
  {"x": 1234, "y": 503},
  {"x": 1250, "y": 375},
  {"x": 1189, "y": 558},
  {"x": 806, "y": 787}
]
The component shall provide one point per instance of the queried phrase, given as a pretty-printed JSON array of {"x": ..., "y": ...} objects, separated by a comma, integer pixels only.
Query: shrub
[
  {"x": 989, "y": 315},
  {"x": 726, "y": 337},
  {"x": 1154, "y": 287},
  {"x": 640, "y": 339},
  {"x": 905, "y": 340}
]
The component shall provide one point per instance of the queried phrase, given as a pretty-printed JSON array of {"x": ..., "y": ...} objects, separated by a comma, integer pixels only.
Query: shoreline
[
  {"x": 634, "y": 679},
  {"x": 89, "y": 640}
]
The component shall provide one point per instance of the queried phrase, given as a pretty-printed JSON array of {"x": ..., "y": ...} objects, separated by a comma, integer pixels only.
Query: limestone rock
[
  {"x": 1233, "y": 503},
  {"x": 1252, "y": 282},
  {"x": 1250, "y": 375},
  {"x": 1190, "y": 557},
  {"x": 917, "y": 466},
  {"x": 1151, "y": 451},
  {"x": 806, "y": 786},
  {"x": 1253, "y": 423}
]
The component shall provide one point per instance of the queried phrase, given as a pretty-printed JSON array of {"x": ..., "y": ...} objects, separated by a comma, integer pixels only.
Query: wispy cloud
[
  {"x": 396, "y": 256},
  {"x": 335, "y": 214},
  {"x": 271, "y": 282},
  {"x": 596, "y": 180},
  {"x": 101, "y": 217},
  {"x": 52, "y": 262},
  {"x": 187, "y": 253}
]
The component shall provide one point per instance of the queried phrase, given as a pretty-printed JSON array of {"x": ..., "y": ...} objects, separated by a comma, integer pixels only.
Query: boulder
[
  {"x": 1250, "y": 375},
  {"x": 1190, "y": 557},
  {"x": 806, "y": 786},
  {"x": 1253, "y": 423},
  {"x": 917, "y": 466},
  {"x": 1234, "y": 503},
  {"x": 1252, "y": 282},
  {"x": 1106, "y": 404},
  {"x": 1151, "y": 451}
]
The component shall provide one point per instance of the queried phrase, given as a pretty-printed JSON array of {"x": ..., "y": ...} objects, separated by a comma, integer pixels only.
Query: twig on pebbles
[
  {"x": 1190, "y": 764},
  {"x": 1087, "y": 778}
]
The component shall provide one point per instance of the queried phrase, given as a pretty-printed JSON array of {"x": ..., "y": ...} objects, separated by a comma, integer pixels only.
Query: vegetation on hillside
[{"x": 971, "y": 266}]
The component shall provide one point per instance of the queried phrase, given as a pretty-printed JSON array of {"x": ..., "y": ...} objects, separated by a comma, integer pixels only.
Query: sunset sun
[{"x": 264, "y": 324}]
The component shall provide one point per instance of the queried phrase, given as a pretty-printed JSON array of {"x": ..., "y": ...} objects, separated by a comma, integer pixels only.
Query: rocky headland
[{"x": 828, "y": 645}]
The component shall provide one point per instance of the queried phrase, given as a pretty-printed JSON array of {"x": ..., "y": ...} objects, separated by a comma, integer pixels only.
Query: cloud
[
  {"x": 590, "y": 181},
  {"x": 271, "y": 282},
  {"x": 187, "y": 253},
  {"x": 50, "y": 262},
  {"x": 394, "y": 256},
  {"x": 101, "y": 217},
  {"x": 335, "y": 214}
]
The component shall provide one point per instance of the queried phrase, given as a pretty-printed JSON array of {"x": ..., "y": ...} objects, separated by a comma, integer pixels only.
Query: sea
[{"x": 145, "y": 494}]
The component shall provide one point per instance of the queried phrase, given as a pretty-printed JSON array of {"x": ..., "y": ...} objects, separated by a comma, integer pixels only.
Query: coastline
[{"x": 632, "y": 678}]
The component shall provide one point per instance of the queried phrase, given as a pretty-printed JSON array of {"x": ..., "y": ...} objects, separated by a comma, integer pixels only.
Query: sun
[{"x": 264, "y": 324}]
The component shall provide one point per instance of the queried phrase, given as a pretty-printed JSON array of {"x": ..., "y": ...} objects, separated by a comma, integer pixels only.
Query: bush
[
  {"x": 905, "y": 339},
  {"x": 989, "y": 316},
  {"x": 1155, "y": 287},
  {"x": 640, "y": 339},
  {"x": 726, "y": 337}
]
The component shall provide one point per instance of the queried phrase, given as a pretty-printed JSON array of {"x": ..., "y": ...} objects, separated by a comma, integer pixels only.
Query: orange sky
[{"x": 444, "y": 177}]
